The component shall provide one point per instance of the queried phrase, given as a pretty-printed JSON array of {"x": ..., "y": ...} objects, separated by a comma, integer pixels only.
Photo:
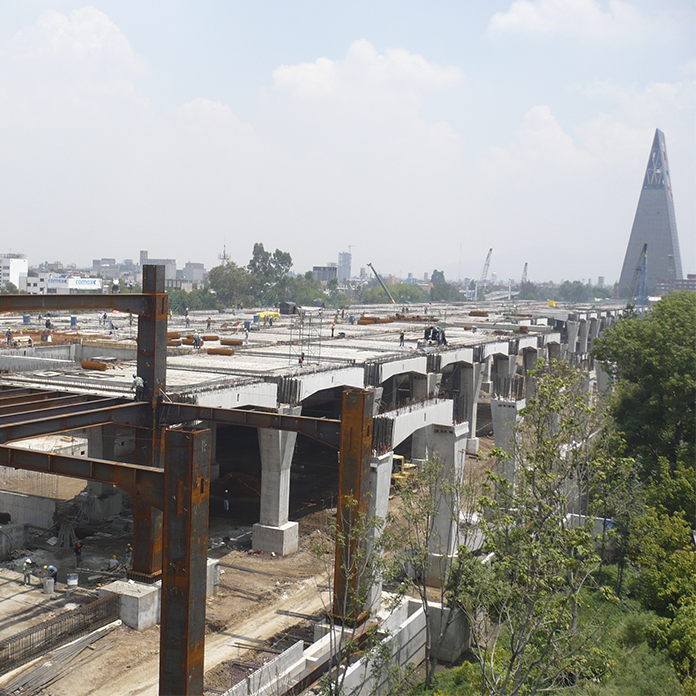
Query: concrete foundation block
[
  {"x": 140, "y": 604},
  {"x": 212, "y": 577},
  {"x": 455, "y": 629},
  {"x": 282, "y": 540},
  {"x": 472, "y": 444},
  {"x": 102, "y": 507}
]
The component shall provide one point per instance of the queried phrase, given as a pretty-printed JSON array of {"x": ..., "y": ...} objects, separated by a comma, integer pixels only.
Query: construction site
[{"x": 166, "y": 481}]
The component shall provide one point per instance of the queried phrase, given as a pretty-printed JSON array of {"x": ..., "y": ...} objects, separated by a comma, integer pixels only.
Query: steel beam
[
  {"x": 182, "y": 635},
  {"x": 133, "y": 303},
  {"x": 55, "y": 407},
  {"x": 325, "y": 430},
  {"x": 350, "y": 593},
  {"x": 20, "y": 396},
  {"x": 135, "y": 415},
  {"x": 23, "y": 405},
  {"x": 144, "y": 483}
]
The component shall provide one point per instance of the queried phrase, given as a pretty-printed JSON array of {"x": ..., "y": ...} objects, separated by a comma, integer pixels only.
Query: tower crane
[
  {"x": 484, "y": 272},
  {"x": 524, "y": 275},
  {"x": 384, "y": 287}
]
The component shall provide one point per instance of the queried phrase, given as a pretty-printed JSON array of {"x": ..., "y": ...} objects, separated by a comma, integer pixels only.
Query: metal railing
[{"x": 61, "y": 629}]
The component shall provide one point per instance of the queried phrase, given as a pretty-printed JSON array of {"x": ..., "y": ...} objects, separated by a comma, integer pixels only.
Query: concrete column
[
  {"x": 470, "y": 378},
  {"x": 504, "y": 368},
  {"x": 449, "y": 445},
  {"x": 274, "y": 533},
  {"x": 504, "y": 413},
  {"x": 602, "y": 378},
  {"x": 486, "y": 384},
  {"x": 583, "y": 336},
  {"x": 103, "y": 500},
  {"x": 554, "y": 351},
  {"x": 573, "y": 327},
  {"x": 421, "y": 386},
  {"x": 529, "y": 360},
  {"x": 380, "y": 483}
]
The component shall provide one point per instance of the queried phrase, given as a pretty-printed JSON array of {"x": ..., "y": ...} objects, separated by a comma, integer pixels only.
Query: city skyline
[{"x": 416, "y": 137}]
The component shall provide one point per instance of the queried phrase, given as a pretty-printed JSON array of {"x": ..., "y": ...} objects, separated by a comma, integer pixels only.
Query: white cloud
[
  {"x": 363, "y": 73},
  {"x": 578, "y": 19},
  {"x": 77, "y": 59}
]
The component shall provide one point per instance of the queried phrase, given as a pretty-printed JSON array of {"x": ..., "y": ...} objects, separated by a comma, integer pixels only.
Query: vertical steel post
[
  {"x": 186, "y": 489},
  {"x": 350, "y": 596},
  {"x": 152, "y": 367}
]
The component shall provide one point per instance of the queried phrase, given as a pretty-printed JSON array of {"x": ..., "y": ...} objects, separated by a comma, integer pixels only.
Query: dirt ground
[{"x": 263, "y": 605}]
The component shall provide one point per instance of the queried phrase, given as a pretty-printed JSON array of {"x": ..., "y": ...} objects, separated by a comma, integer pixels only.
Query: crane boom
[
  {"x": 637, "y": 296},
  {"x": 524, "y": 274},
  {"x": 484, "y": 272},
  {"x": 384, "y": 287}
]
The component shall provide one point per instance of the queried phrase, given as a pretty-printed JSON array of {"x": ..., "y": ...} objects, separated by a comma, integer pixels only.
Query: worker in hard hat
[
  {"x": 129, "y": 555},
  {"x": 52, "y": 571},
  {"x": 113, "y": 563},
  {"x": 26, "y": 569},
  {"x": 138, "y": 386}
]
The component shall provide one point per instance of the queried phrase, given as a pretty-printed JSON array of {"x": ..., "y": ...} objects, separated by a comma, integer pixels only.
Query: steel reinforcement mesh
[{"x": 40, "y": 639}]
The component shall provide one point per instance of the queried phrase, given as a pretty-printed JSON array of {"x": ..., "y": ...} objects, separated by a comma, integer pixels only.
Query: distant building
[
  {"x": 62, "y": 284},
  {"x": 344, "y": 261},
  {"x": 13, "y": 267},
  {"x": 193, "y": 272},
  {"x": 688, "y": 283},
  {"x": 325, "y": 273},
  {"x": 654, "y": 225},
  {"x": 169, "y": 264},
  {"x": 600, "y": 282}
]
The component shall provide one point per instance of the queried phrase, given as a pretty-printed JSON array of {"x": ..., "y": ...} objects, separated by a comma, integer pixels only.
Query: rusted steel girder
[
  {"x": 133, "y": 303},
  {"x": 20, "y": 396},
  {"x": 325, "y": 430},
  {"x": 350, "y": 592},
  {"x": 149, "y": 442},
  {"x": 182, "y": 636},
  {"x": 27, "y": 404},
  {"x": 142, "y": 482},
  {"x": 21, "y": 413},
  {"x": 136, "y": 415}
]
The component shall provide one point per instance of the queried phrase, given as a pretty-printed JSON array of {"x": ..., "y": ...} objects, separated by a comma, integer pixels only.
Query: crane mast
[{"x": 524, "y": 275}]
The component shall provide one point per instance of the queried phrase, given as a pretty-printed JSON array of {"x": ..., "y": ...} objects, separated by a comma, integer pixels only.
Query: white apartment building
[{"x": 13, "y": 268}]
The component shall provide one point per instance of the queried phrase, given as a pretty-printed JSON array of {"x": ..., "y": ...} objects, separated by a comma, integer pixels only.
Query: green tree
[
  {"x": 231, "y": 284},
  {"x": 523, "y": 606},
  {"x": 653, "y": 361},
  {"x": 267, "y": 267}
]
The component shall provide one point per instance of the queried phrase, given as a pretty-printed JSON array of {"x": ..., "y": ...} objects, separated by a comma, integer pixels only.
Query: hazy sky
[{"x": 421, "y": 133}]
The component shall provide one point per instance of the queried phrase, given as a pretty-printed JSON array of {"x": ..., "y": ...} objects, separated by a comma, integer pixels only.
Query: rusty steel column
[
  {"x": 353, "y": 504},
  {"x": 152, "y": 367},
  {"x": 182, "y": 634}
]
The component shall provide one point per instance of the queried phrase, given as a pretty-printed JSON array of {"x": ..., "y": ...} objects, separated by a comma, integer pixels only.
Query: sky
[{"x": 416, "y": 135}]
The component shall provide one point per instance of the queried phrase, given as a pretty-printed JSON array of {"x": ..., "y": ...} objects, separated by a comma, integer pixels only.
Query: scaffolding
[{"x": 305, "y": 338}]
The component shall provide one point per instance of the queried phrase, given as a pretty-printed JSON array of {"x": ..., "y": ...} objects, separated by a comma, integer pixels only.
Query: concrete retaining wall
[
  {"x": 274, "y": 677},
  {"x": 28, "y": 509},
  {"x": 12, "y": 536}
]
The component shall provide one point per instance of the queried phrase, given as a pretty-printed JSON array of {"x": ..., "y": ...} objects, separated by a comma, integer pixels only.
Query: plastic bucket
[
  {"x": 247, "y": 325},
  {"x": 73, "y": 579},
  {"x": 26, "y": 319},
  {"x": 257, "y": 319},
  {"x": 73, "y": 321},
  {"x": 48, "y": 586}
]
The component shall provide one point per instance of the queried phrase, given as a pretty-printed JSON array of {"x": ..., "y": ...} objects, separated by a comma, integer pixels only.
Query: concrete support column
[
  {"x": 421, "y": 386},
  {"x": 529, "y": 360},
  {"x": 584, "y": 332},
  {"x": 104, "y": 500},
  {"x": 380, "y": 483},
  {"x": 470, "y": 378},
  {"x": 504, "y": 413},
  {"x": 449, "y": 445},
  {"x": 553, "y": 351},
  {"x": 504, "y": 368},
  {"x": 573, "y": 327},
  {"x": 274, "y": 533}
]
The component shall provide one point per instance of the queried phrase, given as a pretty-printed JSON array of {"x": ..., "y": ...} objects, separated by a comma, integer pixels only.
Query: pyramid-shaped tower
[{"x": 654, "y": 224}]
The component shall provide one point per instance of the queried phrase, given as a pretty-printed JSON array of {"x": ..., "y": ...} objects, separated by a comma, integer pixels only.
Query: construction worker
[
  {"x": 52, "y": 571},
  {"x": 113, "y": 563},
  {"x": 208, "y": 323},
  {"x": 129, "y": 555},
  {"x": 26, "y": 569},
  {"x": 402, "y": 337},
  {"x": 78, "y": 553},
  {"x": 138, "y": 386}
]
